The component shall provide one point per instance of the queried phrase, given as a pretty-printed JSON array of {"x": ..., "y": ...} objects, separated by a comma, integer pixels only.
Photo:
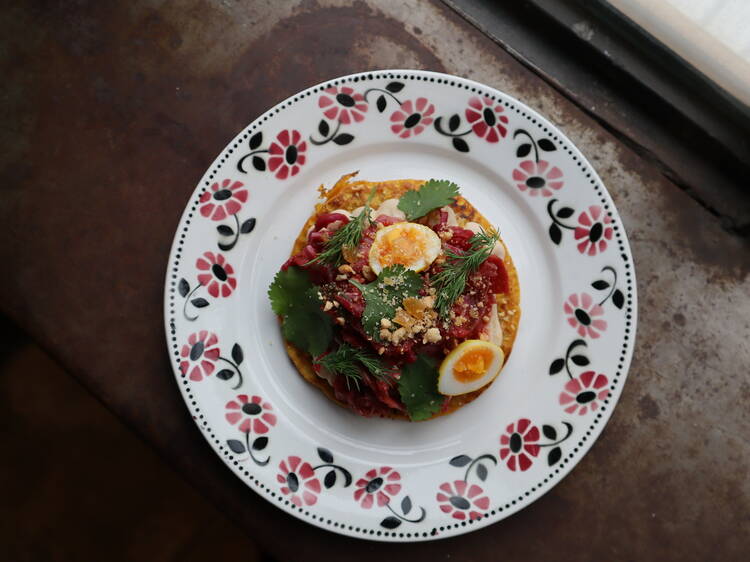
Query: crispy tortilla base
[{"x": 349, "y": 194}]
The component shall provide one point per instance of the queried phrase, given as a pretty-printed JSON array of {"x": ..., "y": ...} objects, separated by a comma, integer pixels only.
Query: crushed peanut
[
  {"x": 432, "y": 336},
  {"x": 328, "y": 306},
  {"x": 340, "y": 320}
]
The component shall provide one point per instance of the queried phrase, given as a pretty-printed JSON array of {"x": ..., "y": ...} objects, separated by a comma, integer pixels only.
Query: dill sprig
[
  {"x": 450, "y": 281},
  {"x": 349, "y": 361},
  {"x": 348, "y": 236}
]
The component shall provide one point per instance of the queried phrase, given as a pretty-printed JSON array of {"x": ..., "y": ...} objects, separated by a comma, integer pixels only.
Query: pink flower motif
[
  {"x": 298, "y": 480},
  {"x": 594, "y": 231},
  {"x": 344, "y": 104},
  {"x": 485, "y": 118},
  {"x": 582, "y": 314},
  {"x": 218, "y": 276},
  {"x": 584, "y": 392},
  {"x": 538, "y": 177},
  {"x": 412, "y": 117},
  {"x": 199, "y": 355},
  {"x": 378, "y": 485},
  {"x": 223, "y": 200},
  {"x": 287, "y": 154},
  {"x": 253, "y": 414},
  {"x": 462, "y": 500},
  {"x": 518, "y": 444}
]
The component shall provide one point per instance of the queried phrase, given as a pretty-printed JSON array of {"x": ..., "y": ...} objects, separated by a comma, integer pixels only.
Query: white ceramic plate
[{"x": 383, "y": 479}]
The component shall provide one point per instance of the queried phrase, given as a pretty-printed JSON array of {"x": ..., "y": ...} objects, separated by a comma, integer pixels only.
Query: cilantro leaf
[
  {"x": 295, "y": 299},
  {"x": 384, "y": 295},
  {"x": 432, "y": 195},
  {"x": 418, "y": 388},
  {"x": 286, "y": 286}
]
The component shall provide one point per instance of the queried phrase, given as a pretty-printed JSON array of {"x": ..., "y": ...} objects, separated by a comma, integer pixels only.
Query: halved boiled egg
[
  {"x": 470, "y": 366},
  {"x": 412, "y": 245}
]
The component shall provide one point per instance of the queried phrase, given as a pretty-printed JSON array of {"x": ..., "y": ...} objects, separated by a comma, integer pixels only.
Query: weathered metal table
[{"x": 112, "y": 111}]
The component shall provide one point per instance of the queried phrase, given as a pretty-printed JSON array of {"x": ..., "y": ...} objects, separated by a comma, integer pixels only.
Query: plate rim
[{"x": 594, "y": 428}]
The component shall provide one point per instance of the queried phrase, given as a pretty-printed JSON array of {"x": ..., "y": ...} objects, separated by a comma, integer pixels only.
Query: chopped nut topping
[
  {"x": 446, "y": 234},
  {"x": 381, "y": 350},
  {"x": 341, "y": 278},
  {"x": 328, "y": 306},
  {"x": 398, "y": 335},
  {"x": 340, "y": 320},
  {"x": 432, "y": 336},
  {"x": 346, "y": 268},
  {"x": 385, "y": 323}
]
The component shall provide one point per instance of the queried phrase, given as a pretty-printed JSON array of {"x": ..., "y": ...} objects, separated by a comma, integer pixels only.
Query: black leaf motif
[
  {"x": 481, "y": 472},
  {"x": 330, "y": 480},
  {"x": 460, "y": 460},
  {"x": 580, "y": 360},
  {"x": 255, "y": 140},
  {"x": 460, "y": 145},
  {"x": 600, "y": 284},
  {"x": 554, "y": 456},
  {"x": 390, "y": 522},
  {"x": 380, "y": 103},
  {"x": 259, "y": 164},
  {"x": 237, "y": 353},
  {"x": 343, "y": 138},
  {"x": 247, "y": 226},
  {"x": 546, "y": 145},
  {"x": 236, "y": 446},
  {"x": 555, "y": 233},
  {"x": 260, "y": 443},
  {"x": 556, "y": 366},
  {"x": 549, "y": 432},
  {"x": 406, "y": 505},
  {"x": 394, "y": 87},
  {"x": 523, "y": 150},
  {"x": 323, "y": 128},
  {"x": 618, "y": 298},
  {"x": 183, "y": 288},
  {"x": 225, "y": 374},
  {"x": 225, "y": 230},
  {"x": 454, "y": 122},
  {"x": 199, "y": 302},
  {"x": 325, "y": 455},
  {"x": 565, "y": 212}
]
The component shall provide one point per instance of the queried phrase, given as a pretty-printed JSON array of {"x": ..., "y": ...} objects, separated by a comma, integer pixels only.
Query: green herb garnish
[
  {"x": 432, "y": 195},
  {"x": 450, "y": 281},
  {"x": 349, "y": 361},
  {"x": 418, "y": 388},
  {"x": 348, "y": 236},
  {"x": 384, "y": 295},
  {"x": 296, "y": 300}
]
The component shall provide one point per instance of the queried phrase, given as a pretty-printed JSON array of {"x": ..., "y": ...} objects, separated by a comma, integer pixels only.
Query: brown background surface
[{"x": 111, "y": 113}]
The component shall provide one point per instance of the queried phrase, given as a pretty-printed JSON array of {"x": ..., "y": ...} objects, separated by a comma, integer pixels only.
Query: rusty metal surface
[{"x": 112, "y": 111}]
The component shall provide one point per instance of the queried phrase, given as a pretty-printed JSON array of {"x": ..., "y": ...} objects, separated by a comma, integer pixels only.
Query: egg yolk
[
  {"x": 473, "y": 365},
  {"x": 402, "y": 246}
]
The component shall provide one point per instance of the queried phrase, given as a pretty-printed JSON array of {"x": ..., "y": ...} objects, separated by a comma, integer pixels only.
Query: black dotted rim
[{"x": 547, "y": 482}]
